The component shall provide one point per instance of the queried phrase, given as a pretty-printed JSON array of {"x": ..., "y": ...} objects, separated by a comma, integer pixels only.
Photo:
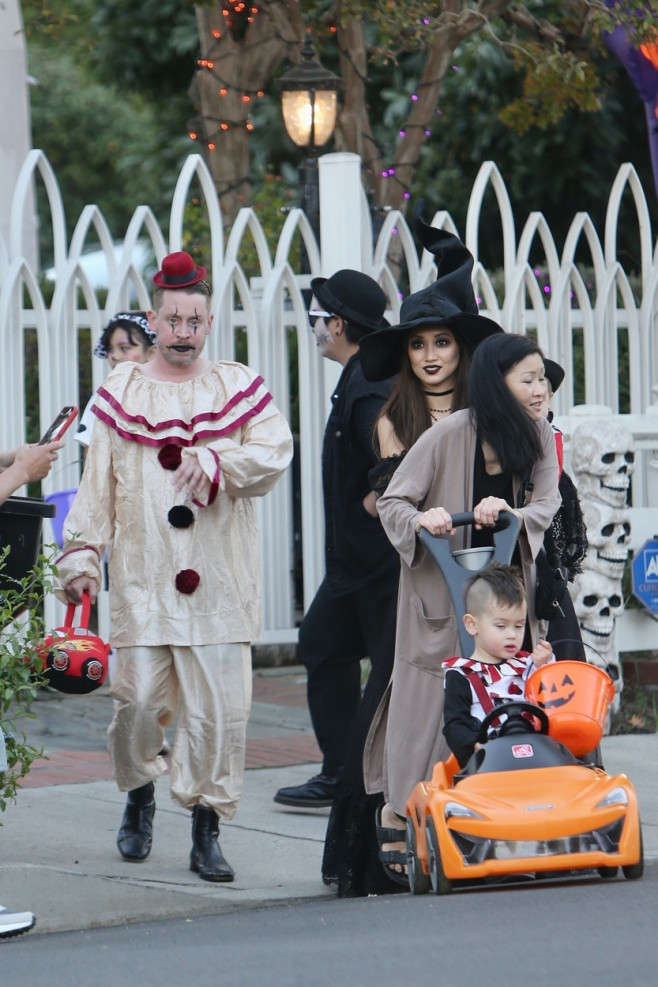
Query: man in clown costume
[{"x": 180, "y": 447}]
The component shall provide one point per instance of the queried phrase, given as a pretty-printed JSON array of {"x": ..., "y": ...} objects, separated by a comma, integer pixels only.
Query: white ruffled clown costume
[{"x": 183, "y": 576}]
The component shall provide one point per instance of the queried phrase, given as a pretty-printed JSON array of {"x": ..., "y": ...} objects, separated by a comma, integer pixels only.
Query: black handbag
[{"x": 552, "y": 579}]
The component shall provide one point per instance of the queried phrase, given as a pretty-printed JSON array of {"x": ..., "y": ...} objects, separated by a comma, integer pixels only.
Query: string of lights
[{"x": 208, "y": 130}]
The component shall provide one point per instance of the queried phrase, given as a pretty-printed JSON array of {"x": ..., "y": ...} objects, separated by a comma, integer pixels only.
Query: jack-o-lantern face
[{"x": 556, "y": 693}]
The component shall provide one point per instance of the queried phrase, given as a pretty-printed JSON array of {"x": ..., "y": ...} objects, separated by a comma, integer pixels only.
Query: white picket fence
[{"x": 270, "y": 308}]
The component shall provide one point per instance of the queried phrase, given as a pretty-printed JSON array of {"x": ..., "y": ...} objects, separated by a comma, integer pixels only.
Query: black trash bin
[{"x": 21, "y": 521}]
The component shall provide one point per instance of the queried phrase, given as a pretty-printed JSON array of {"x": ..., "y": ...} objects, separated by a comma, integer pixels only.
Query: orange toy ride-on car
[{"x": 524, "y": 805}]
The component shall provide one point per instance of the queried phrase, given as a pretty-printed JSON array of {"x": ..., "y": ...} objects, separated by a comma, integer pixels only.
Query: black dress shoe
[
  {"x": 136, "y": 834},
  {"x": 316, "y": 793}
]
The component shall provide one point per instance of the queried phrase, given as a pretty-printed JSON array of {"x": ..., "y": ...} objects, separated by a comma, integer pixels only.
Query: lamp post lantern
[{"x": 309, "y": 98}]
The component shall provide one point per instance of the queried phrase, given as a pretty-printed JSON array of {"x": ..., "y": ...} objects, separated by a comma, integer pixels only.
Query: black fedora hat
[
  {"x": 449, "y": 302},
  {"x": 354, "y": 296},
  {"x": 554, "y": 372}
]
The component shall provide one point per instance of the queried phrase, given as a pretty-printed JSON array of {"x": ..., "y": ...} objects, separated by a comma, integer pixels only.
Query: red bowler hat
[{"x": 178, "y": 271}]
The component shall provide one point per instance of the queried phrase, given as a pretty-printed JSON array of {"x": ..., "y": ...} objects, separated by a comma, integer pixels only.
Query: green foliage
[
  {"x": 20, "y": 666},
  {"x": 90, "y": 134},
  {"x": 639, "y": 21},
  {"x": 400, "y": 27},
  {"x": 553, "y": 82},
  {"x": 151, "y": 46},
  {"x": 565, "y": 168},
  {"x": 49, "y": 18}
]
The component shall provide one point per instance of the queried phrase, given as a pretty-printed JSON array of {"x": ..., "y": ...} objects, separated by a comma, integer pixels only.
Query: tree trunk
[{"x": 240, "y": 59}]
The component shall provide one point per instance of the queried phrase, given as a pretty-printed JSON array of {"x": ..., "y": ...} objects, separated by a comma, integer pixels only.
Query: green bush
[{"x": 21, "y": 639}]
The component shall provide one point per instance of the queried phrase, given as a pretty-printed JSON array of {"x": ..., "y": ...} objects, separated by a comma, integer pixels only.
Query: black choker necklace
[{"x": 438, "y": 394}]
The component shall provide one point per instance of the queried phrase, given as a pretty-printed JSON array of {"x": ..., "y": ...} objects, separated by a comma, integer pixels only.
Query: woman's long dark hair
[
  {"x": 499, "y": 418},
  {"x": 407, "y": 409}
]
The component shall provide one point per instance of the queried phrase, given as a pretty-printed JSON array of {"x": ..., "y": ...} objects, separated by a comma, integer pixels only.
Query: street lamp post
[{"x": 309, "y": 98}]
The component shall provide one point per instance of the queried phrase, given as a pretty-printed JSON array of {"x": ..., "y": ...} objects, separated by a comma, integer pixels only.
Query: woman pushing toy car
[
  {"x": 428, "y": 353},
  {"x": 497, "y": 455}
]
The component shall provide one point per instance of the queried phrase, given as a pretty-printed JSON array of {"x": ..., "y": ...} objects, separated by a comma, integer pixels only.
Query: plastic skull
[
  {"x": 608, "y": 536},
  {"x": 603, "y": 460},
  {"x": 598, "y": 601}
]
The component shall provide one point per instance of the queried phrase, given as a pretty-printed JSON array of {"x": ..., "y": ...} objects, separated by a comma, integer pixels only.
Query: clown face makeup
[{"x": 181, "y": 325}]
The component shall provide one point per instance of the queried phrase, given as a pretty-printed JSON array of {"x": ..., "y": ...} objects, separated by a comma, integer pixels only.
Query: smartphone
[{"x": 65, "y": 418}]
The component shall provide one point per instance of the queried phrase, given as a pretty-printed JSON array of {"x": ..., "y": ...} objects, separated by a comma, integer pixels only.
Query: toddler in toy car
[{"x": 496, "y": 671}]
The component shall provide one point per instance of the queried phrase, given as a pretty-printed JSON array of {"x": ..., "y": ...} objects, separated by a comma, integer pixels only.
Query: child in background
[
  {"x": 497, "y": 670},
  {"x": 127, "y": 336}
]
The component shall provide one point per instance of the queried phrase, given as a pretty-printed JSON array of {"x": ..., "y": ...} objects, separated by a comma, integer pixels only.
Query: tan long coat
[{"x": 405, "y": 739}]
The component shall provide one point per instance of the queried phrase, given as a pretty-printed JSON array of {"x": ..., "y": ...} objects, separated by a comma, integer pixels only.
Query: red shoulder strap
[
  {"x": 486, "y": 702},
  {"x": 559, "y": 448}
]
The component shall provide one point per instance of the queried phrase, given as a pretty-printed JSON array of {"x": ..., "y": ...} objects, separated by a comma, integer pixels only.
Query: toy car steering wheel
[{"x": 513, "y": 711}]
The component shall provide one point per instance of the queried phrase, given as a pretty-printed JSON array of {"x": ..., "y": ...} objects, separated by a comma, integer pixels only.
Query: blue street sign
[{"x": 644, "y": 575}]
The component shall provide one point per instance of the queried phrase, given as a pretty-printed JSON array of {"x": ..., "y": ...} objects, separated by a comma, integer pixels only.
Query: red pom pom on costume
[
  {"x": 187, "y": 580},
  {"x": 170, "y": 456}
]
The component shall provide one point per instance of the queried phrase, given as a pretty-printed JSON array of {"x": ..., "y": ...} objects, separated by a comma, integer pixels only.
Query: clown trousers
[{"x": 209, "y": 687}]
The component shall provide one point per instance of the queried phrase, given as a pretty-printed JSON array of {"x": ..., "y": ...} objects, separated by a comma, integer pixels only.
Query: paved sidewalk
[{"x": 59, "y": 856}]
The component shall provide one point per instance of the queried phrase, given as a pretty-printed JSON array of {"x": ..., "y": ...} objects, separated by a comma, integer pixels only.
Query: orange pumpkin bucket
[{"x": 575, "y": 696}]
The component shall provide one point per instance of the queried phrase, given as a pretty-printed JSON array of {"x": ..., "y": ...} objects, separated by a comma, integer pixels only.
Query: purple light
[
  {"x": 428, "y": 133},
  {"x": 394, "y": 230},
  {"x": 426, "y": 21},
  {"x": 407, "y": 195},
  {"x": 536, "y": 272},
  {"x": 403, "y": 133},
  {"x": 384, "y": 174},
  {"x": 414, "y": 97},
  {"x": 438, "y": 112},
  {"x": 391, "y": 171},
  {"x": 479, "y": 301},
  {"x": 547, "y": 289}
]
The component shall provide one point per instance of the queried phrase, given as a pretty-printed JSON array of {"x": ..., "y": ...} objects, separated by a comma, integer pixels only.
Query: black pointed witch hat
[{"x": 449, "y": 302}]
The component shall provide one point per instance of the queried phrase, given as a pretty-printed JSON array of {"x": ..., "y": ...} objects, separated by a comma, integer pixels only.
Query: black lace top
[{"x": 380, "y": 474}]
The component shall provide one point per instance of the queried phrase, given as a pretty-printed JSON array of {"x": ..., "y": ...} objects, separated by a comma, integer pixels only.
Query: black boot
[
  {"x": 136, "y": 833},
  {"x": 206, "y": 858}
]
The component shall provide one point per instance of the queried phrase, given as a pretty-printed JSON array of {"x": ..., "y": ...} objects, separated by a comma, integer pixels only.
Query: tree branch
[{"x": 522, "y": 18}]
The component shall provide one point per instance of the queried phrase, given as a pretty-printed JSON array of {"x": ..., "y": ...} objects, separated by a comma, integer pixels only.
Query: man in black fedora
[{"x": 344, "y": 622}]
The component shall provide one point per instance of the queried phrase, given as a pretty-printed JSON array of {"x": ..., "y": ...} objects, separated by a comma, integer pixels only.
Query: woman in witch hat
[{"x": 429, "y": 351}]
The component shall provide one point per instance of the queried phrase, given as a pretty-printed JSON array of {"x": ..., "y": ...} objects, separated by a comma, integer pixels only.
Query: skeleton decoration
[
  {"x": 603, "y": 460},
  {"x": 608, "y": 535}
]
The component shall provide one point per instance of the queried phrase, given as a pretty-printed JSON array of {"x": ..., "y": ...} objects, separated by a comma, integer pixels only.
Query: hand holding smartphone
[{"x": 56, "y": 430}]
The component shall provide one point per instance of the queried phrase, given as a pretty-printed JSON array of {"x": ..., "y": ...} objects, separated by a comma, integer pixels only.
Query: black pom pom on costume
[{"x": 180, "y": 517}]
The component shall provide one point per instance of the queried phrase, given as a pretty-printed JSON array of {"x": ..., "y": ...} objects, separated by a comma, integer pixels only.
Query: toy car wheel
[
  {"x": 440, "y": 883},
  {"x": 634, "y": 871},
  {"x": 419, "y": 881},
  {"x": 608, "y": 872}
]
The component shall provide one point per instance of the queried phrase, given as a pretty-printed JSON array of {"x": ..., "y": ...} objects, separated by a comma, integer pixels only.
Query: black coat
[{"x": 357, "y": 551}]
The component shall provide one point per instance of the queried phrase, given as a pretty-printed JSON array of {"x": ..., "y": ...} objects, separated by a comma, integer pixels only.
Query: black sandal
[{"x": 388, "y": 857}]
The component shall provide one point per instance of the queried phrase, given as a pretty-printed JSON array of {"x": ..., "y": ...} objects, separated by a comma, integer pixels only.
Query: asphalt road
[{"x": 568, "y": 933}]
